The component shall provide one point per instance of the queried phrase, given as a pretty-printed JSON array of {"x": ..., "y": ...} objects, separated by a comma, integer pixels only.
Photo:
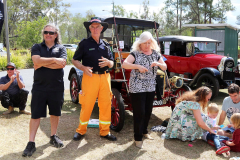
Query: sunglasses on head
[
  {"x": 49, "y": 32},
  {"x": 10, "y": 68}
]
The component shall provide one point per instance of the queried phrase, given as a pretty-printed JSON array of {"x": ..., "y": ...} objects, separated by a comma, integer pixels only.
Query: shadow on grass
[
  {"x": 10, "y": 116},
  {"x": 91, "y": 144},
  {"x": 221, "y": 95}
]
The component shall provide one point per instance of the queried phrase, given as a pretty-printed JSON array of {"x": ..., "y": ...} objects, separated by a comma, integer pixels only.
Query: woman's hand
[
  {"x": 155, "y": 64},
  {"x": 230, "y": 125},
  {"x": 216, "y": 128},
  {"x": 142, "y": 69},
  {"x": 211, "y": 131}
]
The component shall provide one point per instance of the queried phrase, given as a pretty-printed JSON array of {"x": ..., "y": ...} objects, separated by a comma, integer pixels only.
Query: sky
[{"x": 97, "y": 6}]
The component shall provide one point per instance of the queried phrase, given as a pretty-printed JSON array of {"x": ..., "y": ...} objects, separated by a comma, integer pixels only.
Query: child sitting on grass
[
  {"x": 234, "y": 144},
  {"x": 213, "y": 139}
]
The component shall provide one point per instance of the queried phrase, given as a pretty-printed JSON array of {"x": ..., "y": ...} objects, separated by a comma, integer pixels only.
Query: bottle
[{"x": 163, "y": 135}]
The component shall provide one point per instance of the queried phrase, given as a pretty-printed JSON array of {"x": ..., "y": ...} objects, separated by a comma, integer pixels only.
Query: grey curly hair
[{"x": 58, "y": 38}]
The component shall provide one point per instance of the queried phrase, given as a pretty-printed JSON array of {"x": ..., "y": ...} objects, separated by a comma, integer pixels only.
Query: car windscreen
[
  {"x": 127, "y": 34},
  {"x": 201, "y": 47}
]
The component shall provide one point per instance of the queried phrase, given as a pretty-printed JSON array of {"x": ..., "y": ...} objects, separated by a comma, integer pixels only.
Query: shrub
[
  {"x": 22, "y": 59},
  {"x": 70, "y": 54},
  {"x": 3, "y": 63},
  {"x": 29, "y": 62},
  {"x": 18, "y": 60}
]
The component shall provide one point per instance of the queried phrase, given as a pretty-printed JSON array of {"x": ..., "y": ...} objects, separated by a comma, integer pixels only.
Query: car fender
[
  {"x": 77, "y": 71},
  {"x": 214, "y": 72}
]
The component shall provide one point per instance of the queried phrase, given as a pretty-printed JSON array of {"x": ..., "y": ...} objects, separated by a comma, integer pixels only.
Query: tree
[
  {"x": 29, "y": 32},
  {"x": 119, "y": 10},
  {"x": 89, "y": 14},
  {"x": 30, "y": 10},
  {"x": 58, "y": 12},
  {"x": 74, "y": 30},
  {"x": 146, "y": 12},
  {"x": 132, "y": 14},
  {"x": 222, "y": 7}
]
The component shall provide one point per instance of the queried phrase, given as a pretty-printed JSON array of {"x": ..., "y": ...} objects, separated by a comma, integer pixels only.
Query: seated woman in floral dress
[{"x": 186, "y": 122}]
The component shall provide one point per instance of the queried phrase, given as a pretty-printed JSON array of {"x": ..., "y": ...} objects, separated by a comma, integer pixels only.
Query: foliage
[
  {"x": 119, "y": 10},
  {"x": 23, "y": 59},
  {"x": 70, "y": 54},
  {"x": 89, "y": 14},
  {"x": 29, "y": 32},
  {"x": 146, "y": 12},
  {"x": 23, "y": 11},
  {"x": 27, "y": 18},
  {"x": 3, "y": 63},
  {"x": 74, "y": 32}
]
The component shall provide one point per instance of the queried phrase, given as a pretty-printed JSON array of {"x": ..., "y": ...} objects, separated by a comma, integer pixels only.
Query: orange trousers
[{"x": 97, "y": 86}]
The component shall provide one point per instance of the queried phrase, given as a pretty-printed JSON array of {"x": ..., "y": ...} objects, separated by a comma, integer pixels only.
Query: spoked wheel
[
  {"x": 74, "y": 88},
  {"x": 118, "y": 112},
  {"x": 209, "y": 81},
  {"x": 179, "y": 92}
]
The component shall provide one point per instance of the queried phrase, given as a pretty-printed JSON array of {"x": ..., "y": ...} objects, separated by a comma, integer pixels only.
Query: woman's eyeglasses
[
  {"x": 49, "y": 32},
  {"x": 10, "y": 68}
]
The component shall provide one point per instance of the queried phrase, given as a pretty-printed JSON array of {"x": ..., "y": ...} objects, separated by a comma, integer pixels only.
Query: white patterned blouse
[{"x": 144, "y": 82}]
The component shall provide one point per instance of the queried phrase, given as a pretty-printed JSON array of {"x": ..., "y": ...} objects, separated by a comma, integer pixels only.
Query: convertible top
[
  {"x": 130, "y": 21},
  {"x": 184, "y": 39}
]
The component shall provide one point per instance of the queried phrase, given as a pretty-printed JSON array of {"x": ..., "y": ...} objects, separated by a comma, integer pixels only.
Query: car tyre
[
  {"x": 118, "y": 111},
  {"x": 74, "y": 87},
  {"x": 209, "y": 81}
]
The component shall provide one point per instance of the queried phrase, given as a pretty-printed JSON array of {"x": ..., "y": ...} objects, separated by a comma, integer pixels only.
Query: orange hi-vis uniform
[{"x": 97, "y": 86}]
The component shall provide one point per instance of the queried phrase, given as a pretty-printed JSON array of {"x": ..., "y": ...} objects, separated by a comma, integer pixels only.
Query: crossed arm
[{"x": 52, "y": 63}]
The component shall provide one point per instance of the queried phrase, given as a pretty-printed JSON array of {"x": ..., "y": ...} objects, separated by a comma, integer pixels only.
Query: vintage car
[
  {"x": 195, "y": 59},
  {"x": 127, "y": 30}
]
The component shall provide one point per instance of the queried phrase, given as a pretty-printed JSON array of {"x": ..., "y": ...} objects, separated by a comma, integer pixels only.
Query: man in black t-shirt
[
  {"x": 96, "y": 57},
  {"x": 49, "y": 58}
]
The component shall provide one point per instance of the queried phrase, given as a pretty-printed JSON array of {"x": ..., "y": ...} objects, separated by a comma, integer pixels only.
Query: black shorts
[{"x": 41, "y": 99}]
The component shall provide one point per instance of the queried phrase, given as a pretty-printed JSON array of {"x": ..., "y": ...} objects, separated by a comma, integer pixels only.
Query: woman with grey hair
[{"x": 144, "y": 61}]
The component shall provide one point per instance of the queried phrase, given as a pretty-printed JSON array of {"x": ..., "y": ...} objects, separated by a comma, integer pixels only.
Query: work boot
[
  {"x": 110, "y": 137},
  {"x": 10, "y": 110}
]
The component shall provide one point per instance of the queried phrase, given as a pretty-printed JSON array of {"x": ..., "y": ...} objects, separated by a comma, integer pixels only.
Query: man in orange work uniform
[{"x": 96, "y": 58}]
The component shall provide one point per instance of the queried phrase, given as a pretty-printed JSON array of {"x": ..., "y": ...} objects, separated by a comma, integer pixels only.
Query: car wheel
[
  {"x": 180, "y": 91},
  {"x": 118, "y": 111},
  {"x": 74, "y": 88},
  {"x": 209, "y": 81}
]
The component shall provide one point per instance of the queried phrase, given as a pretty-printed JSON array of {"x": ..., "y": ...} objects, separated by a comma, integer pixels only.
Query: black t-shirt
[
  {"x": 89, "y": 52},
  {"x": 46, "y": 79}
]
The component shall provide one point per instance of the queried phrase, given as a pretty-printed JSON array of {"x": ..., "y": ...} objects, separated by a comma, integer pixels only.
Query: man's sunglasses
[
  {"x": 49, "y": 32},
  {"x": 10, "y": 68}
]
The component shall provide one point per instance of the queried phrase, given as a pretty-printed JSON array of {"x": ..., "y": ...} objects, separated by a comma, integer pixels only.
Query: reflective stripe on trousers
[{"x": 97, "y": 86}]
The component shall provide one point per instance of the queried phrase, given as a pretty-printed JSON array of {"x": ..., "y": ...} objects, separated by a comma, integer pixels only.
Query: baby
[{"x": 213, "y": 139}]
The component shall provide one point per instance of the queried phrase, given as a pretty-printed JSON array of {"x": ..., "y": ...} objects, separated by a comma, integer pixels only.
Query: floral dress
[{"x": 182, "y": 124}]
